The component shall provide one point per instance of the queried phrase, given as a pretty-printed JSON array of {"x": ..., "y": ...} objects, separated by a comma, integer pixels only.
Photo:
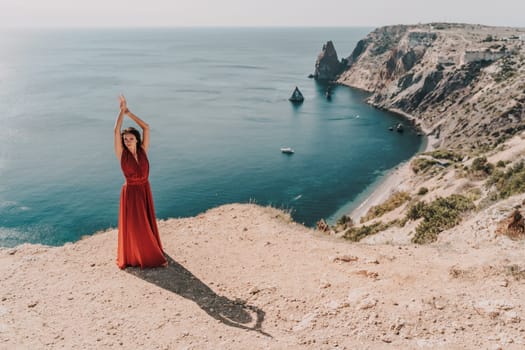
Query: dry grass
[{"x": 394, "y": 201}]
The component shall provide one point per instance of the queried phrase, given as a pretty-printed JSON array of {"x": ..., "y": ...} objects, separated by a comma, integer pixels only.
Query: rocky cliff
[
  {"x": 465, "y": 83},
  {"x": 327, "y": 66}
]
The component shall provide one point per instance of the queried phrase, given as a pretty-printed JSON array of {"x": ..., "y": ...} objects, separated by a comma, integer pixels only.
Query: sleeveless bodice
[{"x": 135, "y": 173}]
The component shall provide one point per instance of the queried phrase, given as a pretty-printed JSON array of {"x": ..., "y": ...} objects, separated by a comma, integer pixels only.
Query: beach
[
  {"x": 401, "y": 178},
  {"x": 397, "y": 179}
]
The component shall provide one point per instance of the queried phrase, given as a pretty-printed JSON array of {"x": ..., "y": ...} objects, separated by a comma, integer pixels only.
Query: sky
[{"x": 243, "y": 13}]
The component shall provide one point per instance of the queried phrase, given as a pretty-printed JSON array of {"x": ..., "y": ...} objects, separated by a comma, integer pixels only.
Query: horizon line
[{"x": 220, "y": 26}]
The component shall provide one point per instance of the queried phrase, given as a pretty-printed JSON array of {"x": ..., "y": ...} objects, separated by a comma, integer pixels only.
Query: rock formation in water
[
  {"x": 328, "y": 67},
  {"x": 464, "y": 82},
  {"x": 297, "y": 96}
]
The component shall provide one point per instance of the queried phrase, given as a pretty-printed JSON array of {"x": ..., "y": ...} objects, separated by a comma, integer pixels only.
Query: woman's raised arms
[
  {"x": 118, "y": 126},
  {"x": 145, "y": 129}
]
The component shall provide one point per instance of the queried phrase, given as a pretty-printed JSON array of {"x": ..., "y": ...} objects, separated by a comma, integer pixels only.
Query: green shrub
[
  {"x": 345, "y": 220},
  {"x": 439, "y": 215},
  {"x": 356, "y": 234},
  {"x": 416, "y": 210},
  {"x": 402, "y": 222},
  {"x": 445, "y": 154},
  {"x": 421, "y": 165},
  {"x": 422, "y": 191},
  {"x": 343, "y": 223},
  {"x": 508, "y": 182},
  {"x": 500, "y": 164},
  {"x": 479, "y": 164},
  {"x": 481, "y": 168},
  {"x": 473, "y": 194},
  {"x": 394, "y": 201}
]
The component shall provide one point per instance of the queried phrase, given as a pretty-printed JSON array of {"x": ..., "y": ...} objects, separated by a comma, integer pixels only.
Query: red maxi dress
[{"x": 138, "y": 235}]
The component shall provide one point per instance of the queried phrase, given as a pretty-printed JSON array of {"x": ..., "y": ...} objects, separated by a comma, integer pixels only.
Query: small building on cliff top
[{"x": 476, "y": 56}]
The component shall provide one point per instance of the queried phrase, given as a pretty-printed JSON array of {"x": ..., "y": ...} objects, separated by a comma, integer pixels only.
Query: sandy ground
[
  {"x": 398, "y": 179},
  {"x": 244, "y": 277}
]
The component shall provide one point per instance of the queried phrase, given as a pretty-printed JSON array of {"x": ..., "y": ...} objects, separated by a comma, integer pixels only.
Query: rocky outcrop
[
  {"x": 513, "y": 226},
  {"x": 297, "y": 96},
  {"x": 328, "y": 67},
  {"x": 474, "y": 104}
]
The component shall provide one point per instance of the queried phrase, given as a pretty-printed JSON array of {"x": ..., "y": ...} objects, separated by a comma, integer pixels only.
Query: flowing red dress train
[{"x": 138, "y": 235}]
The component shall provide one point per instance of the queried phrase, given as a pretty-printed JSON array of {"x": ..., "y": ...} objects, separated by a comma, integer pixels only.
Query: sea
[{"x": 216, "y": 100}]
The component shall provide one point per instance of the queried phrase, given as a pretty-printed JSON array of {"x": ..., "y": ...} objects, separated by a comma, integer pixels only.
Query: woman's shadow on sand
[{"x": 177, "y": 279}]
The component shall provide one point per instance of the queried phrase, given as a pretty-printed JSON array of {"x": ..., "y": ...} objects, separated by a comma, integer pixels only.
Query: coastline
[
  {"x": 393, "y": 181},
  {"x": 397, "y": 178}
]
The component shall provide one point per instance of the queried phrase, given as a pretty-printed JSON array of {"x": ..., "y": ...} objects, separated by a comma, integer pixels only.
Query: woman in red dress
[{"x": 138, "y": 236}]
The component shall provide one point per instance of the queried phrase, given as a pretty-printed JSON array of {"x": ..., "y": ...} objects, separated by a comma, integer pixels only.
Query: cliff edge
[{"x": 246, "y": 277}]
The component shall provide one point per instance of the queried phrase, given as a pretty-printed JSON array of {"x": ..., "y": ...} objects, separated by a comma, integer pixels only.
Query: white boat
[{"x": 287, "y": 150}]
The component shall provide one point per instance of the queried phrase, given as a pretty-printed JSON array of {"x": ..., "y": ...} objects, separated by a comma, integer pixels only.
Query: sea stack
[
  {"x": 297, "y": 96},
  {"x": 328, "y": 67}
]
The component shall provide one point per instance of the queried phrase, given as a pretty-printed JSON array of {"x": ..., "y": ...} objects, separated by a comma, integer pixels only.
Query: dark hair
[{"x": 131, "y": 130}]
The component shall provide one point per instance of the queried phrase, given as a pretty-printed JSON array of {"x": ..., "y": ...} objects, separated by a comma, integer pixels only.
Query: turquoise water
[{"x": 216, "y": 101}]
